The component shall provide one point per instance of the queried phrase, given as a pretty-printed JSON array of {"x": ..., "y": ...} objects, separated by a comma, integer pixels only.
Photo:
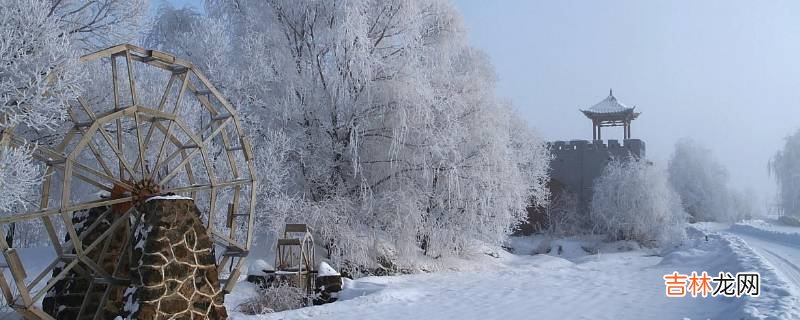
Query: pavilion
[{"x": 610, "y": 113}]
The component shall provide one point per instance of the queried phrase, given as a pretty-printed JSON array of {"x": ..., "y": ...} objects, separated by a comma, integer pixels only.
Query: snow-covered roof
[{"x": 609, "y": 105}]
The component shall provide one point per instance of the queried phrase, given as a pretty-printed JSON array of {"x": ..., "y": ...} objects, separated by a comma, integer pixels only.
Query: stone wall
[
  {"x": 175, "y": 273},
  {"x": 169, "y": 259},
  {"x": 577, "y": 163}
]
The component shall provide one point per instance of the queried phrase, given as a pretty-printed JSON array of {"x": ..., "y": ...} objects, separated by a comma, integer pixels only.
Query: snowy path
[
  {"x": 785, "y": 258},
  {"x": 773, "y": 250}
]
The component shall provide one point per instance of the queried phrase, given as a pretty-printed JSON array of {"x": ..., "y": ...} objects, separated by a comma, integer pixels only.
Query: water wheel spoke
[
  {"x": 69, "y": 245},
  {"x": 57, "y": 160},
  {"x": 161, "y": 104},
  {"x": 167, "y": 136},
  {"x": 141, "y": 146},
  {"x": 200, "y": 149},
  {"x": 226, "y": 241},
  {"x": 168, "y": 132},
  {"x": 99, "y": 158},
  {"x": 54, "y": 211},
  {"x": 95, "y": 152},
  {"x": 117, "y": 222},
  {"x": 52, "y": 282},
  {"x": 181, "y": 148}
]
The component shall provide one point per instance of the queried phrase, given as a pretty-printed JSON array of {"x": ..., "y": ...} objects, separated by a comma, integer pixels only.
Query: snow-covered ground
[
  {"x": 580, "y": 279},
  {"x": 577, "y": 278}
]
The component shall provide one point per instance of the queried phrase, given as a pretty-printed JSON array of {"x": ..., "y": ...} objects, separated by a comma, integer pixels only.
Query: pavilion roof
[{"x": 610, "y": 107}]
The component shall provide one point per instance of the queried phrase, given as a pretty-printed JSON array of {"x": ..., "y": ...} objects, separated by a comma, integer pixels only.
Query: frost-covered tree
[
  {"x": 99, "y": 23},
  {"x": 632, "y": 200},
  {"x": 389, "y": 129},
  {"x": 701, "y": 182},
  {"x": 40, "y": 41},
  {"x": 18, "y": 176},
  {"x": 38, "y": 72},
  {"x": 38, "y": 75},
  {"x": 785, "y": 166},
  {"x": 742, "y": 205},
  {"x": 703, "y": 185}
]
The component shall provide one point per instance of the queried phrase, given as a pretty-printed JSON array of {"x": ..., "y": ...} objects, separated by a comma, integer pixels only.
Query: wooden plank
[
  {"x": 55, "y": 211},
  {"x": 181, "y": 92},
  {"x": 296, "y": 227},
  {"x": 225, "y": 241},
  {"x": 140, "y": 145},
  {"x": 17, "y": 272},
  {"x": 152, "y": 128},
  {"x": 288, "y": 242},
  {"x": 107, "y": 52},
  {"x": 5, "y": 288},
  {"x": 58, "y": 161},
  {"x": 42, "y": 274},
  {"x": 13, "y": 261},
  {"x": 233, "y": 277},
  {"x": 52, "y": 282},
  {"x": 118, "y": 148}
]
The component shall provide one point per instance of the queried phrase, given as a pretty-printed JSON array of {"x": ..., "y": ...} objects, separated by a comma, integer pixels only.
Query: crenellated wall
[{"x": 577, "y": 163}]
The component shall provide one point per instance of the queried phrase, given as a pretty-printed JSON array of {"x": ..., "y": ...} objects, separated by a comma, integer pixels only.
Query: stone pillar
[{"x": 174, "y": 272}]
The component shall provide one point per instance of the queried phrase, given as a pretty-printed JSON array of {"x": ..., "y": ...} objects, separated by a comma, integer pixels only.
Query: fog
[{"x": 724, "y": 73}]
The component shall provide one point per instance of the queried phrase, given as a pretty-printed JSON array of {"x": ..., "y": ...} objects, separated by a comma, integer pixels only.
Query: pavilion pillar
[
  {"x": 628, "y": 130},
  {"x": 625, "y": 131},
  {"x": 594, "y": 131}
]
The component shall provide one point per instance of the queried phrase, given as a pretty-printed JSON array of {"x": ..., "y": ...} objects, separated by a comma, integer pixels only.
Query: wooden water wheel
[
  {"x": 294, "y": 256},
  {"x": 155, "y": 125}
]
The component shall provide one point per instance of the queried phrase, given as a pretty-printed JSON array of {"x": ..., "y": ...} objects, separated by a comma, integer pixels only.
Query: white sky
[{"x": 725, "y": 73}]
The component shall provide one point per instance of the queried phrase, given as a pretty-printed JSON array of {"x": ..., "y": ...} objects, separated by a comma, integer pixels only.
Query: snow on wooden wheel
[{"x": 154, "y": 126}]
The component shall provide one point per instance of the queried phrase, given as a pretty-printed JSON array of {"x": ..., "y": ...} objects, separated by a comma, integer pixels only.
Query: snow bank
[
  {"x": 762, "y": 229},
  {"x": 258, "y": 267},
  {"x": 778, "y": 299},
  {"x": 326, "y": 270},
  {"x": 571, "y": 248}
]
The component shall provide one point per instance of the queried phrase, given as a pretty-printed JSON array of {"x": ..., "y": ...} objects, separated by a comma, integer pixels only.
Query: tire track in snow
[
  {"x": 790, "y": 270},
  {"x": 775, "y": 253}
]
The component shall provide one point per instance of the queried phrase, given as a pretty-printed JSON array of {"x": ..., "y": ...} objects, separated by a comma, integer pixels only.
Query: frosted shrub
[
  {"x": 276, "y": 298},
  {"x": 633, "y": 201}
]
